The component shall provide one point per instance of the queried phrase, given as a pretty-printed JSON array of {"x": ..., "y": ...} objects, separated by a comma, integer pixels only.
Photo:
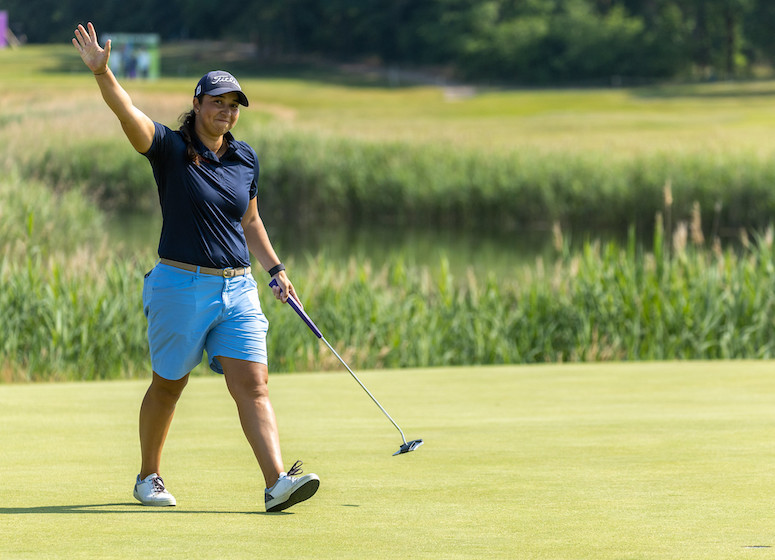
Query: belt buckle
[{"x": 229, "y": 272}]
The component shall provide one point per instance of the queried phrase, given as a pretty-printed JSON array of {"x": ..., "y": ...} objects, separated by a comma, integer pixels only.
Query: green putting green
[{"x": 598, "y": 461}]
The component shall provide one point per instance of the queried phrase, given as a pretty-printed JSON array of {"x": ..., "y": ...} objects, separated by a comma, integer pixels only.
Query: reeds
[
  {"x": 79, "y": 317},
  {"x": 607, "y": 302},
  {"x": 70, "y": 302},
  {"x": 313, "y": 179},
  {"x": 76, "y": 318},
  {"x": 67, "y": 296}
]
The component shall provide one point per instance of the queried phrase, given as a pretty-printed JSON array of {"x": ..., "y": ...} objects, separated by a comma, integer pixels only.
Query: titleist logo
[{"x": 230, "y": 79}]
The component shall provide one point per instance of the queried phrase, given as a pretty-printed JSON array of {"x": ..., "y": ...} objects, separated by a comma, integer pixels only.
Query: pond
[{"x": 488, "y": 252}]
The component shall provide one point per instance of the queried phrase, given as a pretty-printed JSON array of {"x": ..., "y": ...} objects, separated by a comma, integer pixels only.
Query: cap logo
[{"x": 230, "y": 79}]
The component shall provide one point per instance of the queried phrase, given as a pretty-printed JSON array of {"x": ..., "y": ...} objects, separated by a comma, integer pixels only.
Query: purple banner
[{"x": 3, "y": 28}]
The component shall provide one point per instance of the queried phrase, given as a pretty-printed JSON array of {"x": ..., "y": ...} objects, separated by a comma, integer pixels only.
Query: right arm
[{"x": 138, "y": 127}]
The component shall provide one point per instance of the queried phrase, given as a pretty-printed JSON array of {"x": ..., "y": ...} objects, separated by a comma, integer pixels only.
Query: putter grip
[{"x": 299, "y": 311}]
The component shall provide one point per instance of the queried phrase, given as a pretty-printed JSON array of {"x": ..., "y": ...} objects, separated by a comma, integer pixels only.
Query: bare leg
[
  {"x": 155, "y": 418},
  {"x": 247, "y": 383}
]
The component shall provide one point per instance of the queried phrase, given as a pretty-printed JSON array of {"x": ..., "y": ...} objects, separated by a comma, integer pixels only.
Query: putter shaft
[
  {"x": 400, "y": 431},
  {"x": 297, "y": 307}
]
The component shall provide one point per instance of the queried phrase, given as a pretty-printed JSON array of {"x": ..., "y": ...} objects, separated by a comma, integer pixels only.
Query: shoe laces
[
  {"x": 295, "y": 469},
  {"x": 158, "y": 484}
]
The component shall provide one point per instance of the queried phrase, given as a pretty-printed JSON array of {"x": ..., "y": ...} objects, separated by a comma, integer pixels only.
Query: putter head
[{"x": 408, "y": 446}]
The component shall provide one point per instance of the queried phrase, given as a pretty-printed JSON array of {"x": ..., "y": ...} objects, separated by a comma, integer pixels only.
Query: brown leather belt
[{"x": 224, "y": 272}]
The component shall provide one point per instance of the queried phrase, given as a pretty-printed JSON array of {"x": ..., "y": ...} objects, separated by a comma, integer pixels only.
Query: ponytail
[{"x": 187, "y": 121}]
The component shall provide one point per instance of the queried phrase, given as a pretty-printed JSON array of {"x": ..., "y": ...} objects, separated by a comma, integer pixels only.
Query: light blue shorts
[{"x": 189, "y": 313}]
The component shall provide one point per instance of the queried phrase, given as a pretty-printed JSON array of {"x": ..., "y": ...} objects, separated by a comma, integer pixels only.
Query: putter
[{"x": 407, "y": 446}]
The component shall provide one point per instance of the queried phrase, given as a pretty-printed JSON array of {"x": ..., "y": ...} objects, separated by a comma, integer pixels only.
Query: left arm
[{"x": 261, "y": 247}]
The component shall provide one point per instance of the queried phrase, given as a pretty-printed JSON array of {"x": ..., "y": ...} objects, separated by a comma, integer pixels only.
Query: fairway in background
[
  {"x": 505, "y": 160},
  {"x": 645, "y": 460}
]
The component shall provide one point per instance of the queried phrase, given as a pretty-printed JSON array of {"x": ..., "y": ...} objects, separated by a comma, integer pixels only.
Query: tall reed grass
[
  {"x": 324, "y": 180},
  {"x": 70, "y": 301},
  {"x": 76, "y": 313},
  {"x": 309, "y": 179},
  {"x": 591, "y": 159},
  {"x": 610, "y": 302},
  {"x": 67, "y": 295}
]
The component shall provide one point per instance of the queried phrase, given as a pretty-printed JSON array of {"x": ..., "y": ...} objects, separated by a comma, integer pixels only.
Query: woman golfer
[{"x": 201, "y": 295}]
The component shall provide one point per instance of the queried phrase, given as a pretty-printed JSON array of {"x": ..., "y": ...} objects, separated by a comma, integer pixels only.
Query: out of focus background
[
  {"x": 495, "y": 41},
  {"x": 451, "y": 182}
]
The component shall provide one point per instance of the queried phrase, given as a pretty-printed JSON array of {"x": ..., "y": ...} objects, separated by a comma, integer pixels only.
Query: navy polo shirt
[{"x": 202, "y": 205}]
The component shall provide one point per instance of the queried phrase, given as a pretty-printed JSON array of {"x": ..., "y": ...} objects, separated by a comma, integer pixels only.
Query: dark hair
[{"x": 187, "y": 121}]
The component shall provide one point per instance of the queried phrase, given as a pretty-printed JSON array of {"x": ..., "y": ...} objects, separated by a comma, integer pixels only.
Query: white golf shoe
[
  {"x": 151, "y": 491},
  {"x": 290, "y": 490}
]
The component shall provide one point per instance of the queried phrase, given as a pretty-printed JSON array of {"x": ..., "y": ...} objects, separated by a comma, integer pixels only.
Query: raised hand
[{"x": 94, "y": 56}]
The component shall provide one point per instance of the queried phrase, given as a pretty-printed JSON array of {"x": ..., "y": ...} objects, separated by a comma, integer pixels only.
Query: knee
[
  {"x": 167, "y": 390},
  {"x": 252, "y": 386},
  {"x": 254, "y": 389}
]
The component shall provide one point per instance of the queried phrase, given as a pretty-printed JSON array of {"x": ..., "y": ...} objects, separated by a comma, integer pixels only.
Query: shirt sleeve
[
  {"x": 157, "y": 149},
  {"x": 254, "y": 184}
]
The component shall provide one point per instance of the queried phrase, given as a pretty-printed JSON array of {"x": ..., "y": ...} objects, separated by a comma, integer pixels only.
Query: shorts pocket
[{"x": 168, "y": 279}]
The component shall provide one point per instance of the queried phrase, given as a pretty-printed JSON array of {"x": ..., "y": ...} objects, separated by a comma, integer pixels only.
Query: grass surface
[
  {"x": 674, "y": 119},
  {"x": 343, "y": 151},
  {"x": 648, "y": 460}
]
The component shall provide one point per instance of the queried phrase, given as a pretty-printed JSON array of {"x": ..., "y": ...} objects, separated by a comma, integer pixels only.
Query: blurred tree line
[{"x": 515, "y": 41}]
